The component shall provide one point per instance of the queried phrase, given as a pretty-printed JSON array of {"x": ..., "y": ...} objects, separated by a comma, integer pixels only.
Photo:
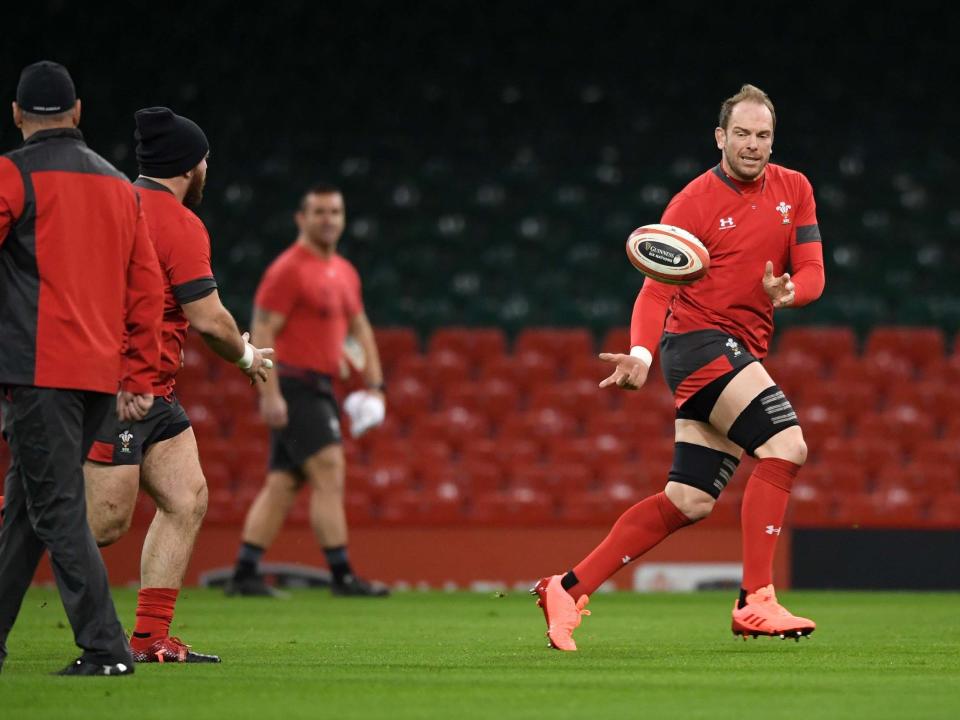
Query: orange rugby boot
[
  {"x": 562, "y": 614},
  {"x": 763, "y": 615}
]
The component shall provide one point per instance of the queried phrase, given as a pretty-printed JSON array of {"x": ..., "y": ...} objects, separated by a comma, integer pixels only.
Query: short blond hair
[{"x": 749, "y": 93}]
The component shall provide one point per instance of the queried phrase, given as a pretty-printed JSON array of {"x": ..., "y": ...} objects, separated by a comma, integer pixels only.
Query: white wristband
[
  {"x": 246, "y": 361},
  {"x": 641, "y": 353}
]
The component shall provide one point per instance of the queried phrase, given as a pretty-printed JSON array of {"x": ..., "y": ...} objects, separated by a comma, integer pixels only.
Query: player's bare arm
[
  {"x": 221, "y": 334},
  {"x": 362, "y": 331},
  {"x": 264, "y": 328}
]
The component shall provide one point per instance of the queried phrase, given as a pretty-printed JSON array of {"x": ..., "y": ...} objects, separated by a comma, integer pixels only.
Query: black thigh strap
[
  {"x": 767, "y": 414},
  {"x": 702, "y": 467}
]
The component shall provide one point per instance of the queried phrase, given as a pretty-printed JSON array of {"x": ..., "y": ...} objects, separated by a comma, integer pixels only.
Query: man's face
[
  {"x": 322, "y": 219},
  {"x": 194, "y": 194},
  {"x": 747, "y": 141}
]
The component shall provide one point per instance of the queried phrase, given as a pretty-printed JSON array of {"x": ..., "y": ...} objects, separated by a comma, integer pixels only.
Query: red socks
[
  {"x": 154, "y": 615},
  {"x": 636, "y": 531},
  {"x": 761, "y": 518}
]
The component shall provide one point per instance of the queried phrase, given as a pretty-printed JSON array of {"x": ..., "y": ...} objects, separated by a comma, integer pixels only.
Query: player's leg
[
  {"x": 172, "y": 476},
  {"x": 111, "y": 493},
  {"x": 753, "y": 412},
  {"x": 697, "y": 366},
  {"x": 703, "y": 463},
  {"x": 260, "y": 528},
  {"x": 325, "y": 471},
  {"x": 112, "y": 474}
]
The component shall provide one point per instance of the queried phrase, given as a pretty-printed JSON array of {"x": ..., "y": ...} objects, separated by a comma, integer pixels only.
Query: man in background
[{"x": 308, "y": 302}]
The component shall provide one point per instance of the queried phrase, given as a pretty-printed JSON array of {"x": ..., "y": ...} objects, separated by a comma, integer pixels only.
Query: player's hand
[
  {"x": 630, "y": 373},
  {"x": 780, "y": 290},
  {"x": 273, "y": 410},
  {"x": 132, "y": 407},
  {"x": 262, "y": 363}
]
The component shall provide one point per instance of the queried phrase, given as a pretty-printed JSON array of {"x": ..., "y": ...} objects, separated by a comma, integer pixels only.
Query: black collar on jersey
[
  {"x": 41, "y": 135},
  {"x": 718, "y": 171},
  {"x": 151, "y": 184}
]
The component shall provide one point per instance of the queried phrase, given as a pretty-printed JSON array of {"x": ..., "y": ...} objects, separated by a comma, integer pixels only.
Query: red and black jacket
[{"x": 81, "y": 294}]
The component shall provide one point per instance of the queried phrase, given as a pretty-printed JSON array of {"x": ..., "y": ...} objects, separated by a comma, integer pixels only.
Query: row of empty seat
[
  {"x": 479, "y": 431},
  {"x": 483, "y": 430}
]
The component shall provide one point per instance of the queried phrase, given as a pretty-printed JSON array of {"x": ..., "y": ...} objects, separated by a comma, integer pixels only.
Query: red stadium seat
[
  {"x": 920, "y": 345},
  {"x": 437, "y": 370},
  {"x": 521, "y": 506},
  {"x": 848, "y": 399},
  {"x": 560, "y": 344},
  {"x": 394, "y": 343},
  {"x": 523, "y": 371},
  {"x": 599, "y": 452},
  {"x": 820, "y": 424},
  {"x": 879, "y": 510},
  {"x": 944, "y": 512},
  {"x": 454, "y": 426},
  {"x": 441, "y": 505},
  {"x": 629, "y": 426},
  {"x": 502, "y": 450},
  {"x": 937, "y": 451},
  {"x": 905, "y": 425},
  {"x": 599, "y": 507},
  {"x": 637, "y": 476},
  {"x": 878, "y": 370},
  {"x": 924, "y": 477},
  {"x": 617, "y": 340},
  {"x": 794, "y": 370},
  {"x": 556, "y": 479},
  {"x": 828, "y": 343},
  {"x": 409, "y": 397},
  {"x": 538, "y": 425},
  {"x": 579, "y": 398},
  {"x": 475, "y": 344},
  {"x": 382, "y": 478},
  {"x": 871, "y": 453}
]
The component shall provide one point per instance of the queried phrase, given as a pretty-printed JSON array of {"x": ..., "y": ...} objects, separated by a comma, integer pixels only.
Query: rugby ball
[{"x": 668, "y": 254}]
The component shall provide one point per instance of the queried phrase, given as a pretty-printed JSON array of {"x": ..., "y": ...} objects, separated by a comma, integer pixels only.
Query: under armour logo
[
  {"x": 726, "y": 223},
  {"x": 626, "y": 559},
  {"x": 771, "y": 530}
]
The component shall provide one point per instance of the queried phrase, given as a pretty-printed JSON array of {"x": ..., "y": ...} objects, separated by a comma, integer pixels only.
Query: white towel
[{"x": 365, "y": 409}]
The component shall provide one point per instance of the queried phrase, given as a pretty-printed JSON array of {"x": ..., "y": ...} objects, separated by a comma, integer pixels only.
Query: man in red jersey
[
  {"x": 159, "y": 452},
  {"x": 308, "y": 302},
  {"x": 80, "y": 309},
  {"x": 757, "y": 220}
]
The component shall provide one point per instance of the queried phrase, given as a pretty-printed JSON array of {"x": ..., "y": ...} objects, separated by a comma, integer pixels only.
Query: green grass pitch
[{"x": 465, "y": 655}]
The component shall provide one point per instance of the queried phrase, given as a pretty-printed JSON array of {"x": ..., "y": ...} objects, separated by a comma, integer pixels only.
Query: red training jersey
[
  {"x": 183, "y": 248},
  {"x": 318, "y": 297},
  {"x": 742, "y": 225},
  {"x": 80, "y": 287}
]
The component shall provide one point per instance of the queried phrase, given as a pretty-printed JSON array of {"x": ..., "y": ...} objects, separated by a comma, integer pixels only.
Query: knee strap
[
  {"x": 766, "y": 415},
  {"x": 702, "y": 467}
]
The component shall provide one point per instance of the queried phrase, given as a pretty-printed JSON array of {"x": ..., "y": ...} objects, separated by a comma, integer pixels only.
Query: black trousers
[{"x": 50, "y": 432}]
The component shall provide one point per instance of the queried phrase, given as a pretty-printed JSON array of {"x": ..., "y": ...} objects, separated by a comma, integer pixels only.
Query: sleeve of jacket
[{"x": 144, "y": 313}]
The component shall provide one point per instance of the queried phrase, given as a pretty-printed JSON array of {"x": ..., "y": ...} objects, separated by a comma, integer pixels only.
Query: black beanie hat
[
  {"x": 167, "y": 144},
  {"x": 46, "y": 88}
]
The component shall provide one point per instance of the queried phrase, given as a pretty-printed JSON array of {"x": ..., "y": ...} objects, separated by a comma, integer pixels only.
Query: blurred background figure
[{"x": 307, "y": 304}]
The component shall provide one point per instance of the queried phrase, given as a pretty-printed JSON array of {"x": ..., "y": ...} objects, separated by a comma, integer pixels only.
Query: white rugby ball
[{"x": 668, "y": 254}]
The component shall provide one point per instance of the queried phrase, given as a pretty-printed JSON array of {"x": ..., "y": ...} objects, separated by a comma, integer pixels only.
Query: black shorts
[
  {"x": 124, "y": 443},
  {"x": 698, "y": 365},
  {"x": 313, "y": 421}
]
